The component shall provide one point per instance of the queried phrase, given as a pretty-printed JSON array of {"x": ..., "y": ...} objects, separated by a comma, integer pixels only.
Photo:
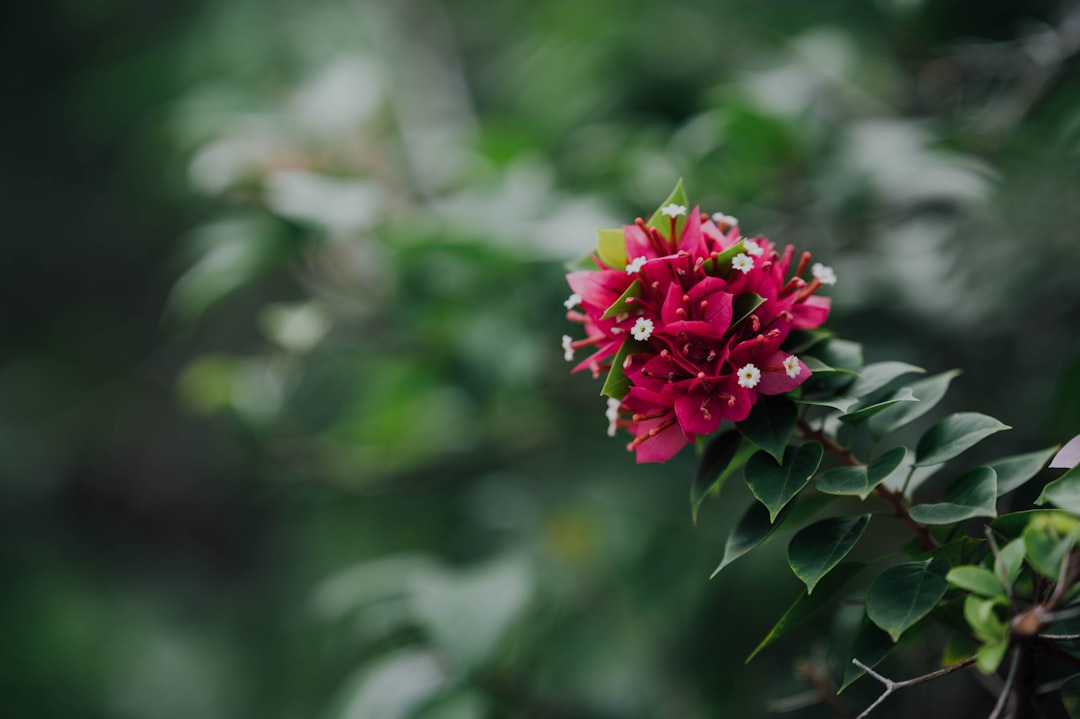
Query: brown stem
[{"x": 893, "y": 497}]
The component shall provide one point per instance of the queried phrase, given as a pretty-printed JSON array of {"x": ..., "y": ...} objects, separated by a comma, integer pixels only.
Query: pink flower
[{"x": 698, "y": 318}]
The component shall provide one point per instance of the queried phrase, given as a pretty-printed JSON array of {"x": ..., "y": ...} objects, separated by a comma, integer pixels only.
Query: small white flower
[
  {"x": 753, "y": 248},
  {"x": 721, "y": 219},
  {"x": 572, "y": 301},
  {"x": 673, "y": 210},
  {"x": 635, "y": 266},
  {"x": 823, "y": 274},
  {"x": 642, "y": 329},
  {"x": 791, "y": 366},
  {"x": 612, "y": 415},
  {"x": 749, "y": 376},
  {"x": 568, "y": 348},
  {"x": 742, "y": 262}
]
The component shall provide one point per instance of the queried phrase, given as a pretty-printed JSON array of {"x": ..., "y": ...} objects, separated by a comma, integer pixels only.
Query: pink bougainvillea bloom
[{"x": 698, "y": 317}]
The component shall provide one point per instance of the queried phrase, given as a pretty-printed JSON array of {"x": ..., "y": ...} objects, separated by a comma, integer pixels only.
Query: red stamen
[{"x": 803, "y": 262}]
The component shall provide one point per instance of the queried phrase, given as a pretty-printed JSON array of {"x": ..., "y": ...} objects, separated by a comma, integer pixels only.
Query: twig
[
  {"x": 891, "y": 686},
  {"x": 1060, "y": 637},
  {"x": 1003, "y": 697}
]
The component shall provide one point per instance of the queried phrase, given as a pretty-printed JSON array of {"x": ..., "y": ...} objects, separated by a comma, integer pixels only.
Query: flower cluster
[{"x": 689, "y": 320}]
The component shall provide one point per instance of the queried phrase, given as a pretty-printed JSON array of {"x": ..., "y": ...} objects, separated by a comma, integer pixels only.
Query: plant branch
[
  {"x": 891, "y": 686},
  {"x": 896, "y": 499},
  {"x": 1003, "y": 697}
]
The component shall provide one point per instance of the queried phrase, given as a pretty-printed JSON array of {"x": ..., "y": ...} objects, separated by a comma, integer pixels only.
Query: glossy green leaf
[
  {"x": 1013, "y": 472},
  {"x": 662, "y": 222},
  {"x": 820, "y": 369},
  {"x": 617, "y": 383},
  {"x": 860, "y": 481},
  {"x": 725, "y": 455},
  {"x": 1063, "y": 492},
  {"x": 954, "y": 434},
  {"x": 799, "y": 341},
  {"x": 870, "y": 647},
  {"x": 620, "y": 305},
  {"x": 611, "y": 247},
  {"x": 777, "y": 484},
  {"x": 815, "y": 550},
  {"x": 929, "y": 392},
  {"x": 904, "y": 394},
  {"x": 806, "y": 605},
  {"x": 976, "y": 579},
  {"x": 902, "y": 595},
  {"x": 973, "y": 494},
  {"x": 876, "y": 375},
  {"x": 744, "y": 305},
  {"x": 754, "y": 526},
  {"x": 842, "y": 403},
  {"x": 770, "y": 424},
  {"x": 720, "y": 266}
]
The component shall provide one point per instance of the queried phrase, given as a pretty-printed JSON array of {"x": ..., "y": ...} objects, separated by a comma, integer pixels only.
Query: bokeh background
[{"x": 284, "y": 423}]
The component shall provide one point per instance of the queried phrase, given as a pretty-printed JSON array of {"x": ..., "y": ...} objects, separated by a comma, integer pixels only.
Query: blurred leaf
[
  {"x": 1046, "y": 550},
  {"x": 990, "y": 654},
  {"x": 902, "y": 595},
  {"x": 973, "y": 494},
  {"x": 1010, "y": 560},
  {"x": 1063, "y": 492},
  {"x": 843, "y": 403},
  {"x": 724, "y": 455},
  {"x": 976, "y": 579},
  {"x": 871, "y": 646},
  {"x": 770, "y": 424},
  {"x": 929, "y": 392},
  {"x": 806, "y": 605},
  {"x": 901, "y": 395},
  {"x": 876, "y": 375},
  {"x": 799, "y": 341},
  {"x": 1013, "y": 472},
  {"x": 860, "y": 481},
  {"x": 954, "y": 434},
  {"x": 1013, "y": 524},
  {"x": 777, "y": 484},
  {"x": 820, "y": 369},
  {"x": 393, "y": 686},
  {"x": 816, "y": 549},
  {"x": 662, "y": 222},
  {"x": 611, "y": 248}
]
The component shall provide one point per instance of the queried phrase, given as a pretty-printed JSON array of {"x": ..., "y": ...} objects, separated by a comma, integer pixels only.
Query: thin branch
[
  {"x": 1060, "y": 637},
  {"x": 1003, "y": 697},
  {"x": 891, "y": 686}
]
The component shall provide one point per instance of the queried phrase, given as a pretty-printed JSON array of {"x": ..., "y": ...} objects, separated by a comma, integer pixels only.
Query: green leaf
[
  {"x": 988, "y": 657},
  {"x": 799, "y": 341},
  {"x": 929, "y": 391},
  {"x": 904, "y": 594},
  {"x": 1009, "y": 560},
  {"x": 663, "y": 222},
  {"x": 876, "y": 375},
  {"x": 617, "y": 383},
  {"x": 976, "y": 579},
  {"x": 973, "y": 494},
  {"x": 770, "y": 424},
  {"x": 754, "y": 526},
  {"x": 843, "y": 403},
  {"x": 806, "y": 605},
  {"x": 620, "y": 305},
  {"x": 743, "y": 306},
  {"x": 611, "y": 247},
  {"x": 1012, "y": 525},
  {"x": 1013, "y": 472},
  {"x": 860, "y": 481},
  {"x": 819, "y": 368},
  {"x": 1046, "y": 550},
  {"x": 777, "y": 484},
  {"x": 954, "y": 434},
  {"x": 871, "y": 646},
  {"x": 904, "y": 394},
  {"x": 980, "y": 615},
  {"x": 726, "y": 453},
  {"x": 1063, "y": 492},
  {"x": 840, "y": 354},
  {"x": 816, "y": 549},
  {"x": 720, "y": 266}
]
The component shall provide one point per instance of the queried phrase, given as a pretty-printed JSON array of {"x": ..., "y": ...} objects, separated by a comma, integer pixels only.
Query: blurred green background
[{"x": 285, "y": 426}]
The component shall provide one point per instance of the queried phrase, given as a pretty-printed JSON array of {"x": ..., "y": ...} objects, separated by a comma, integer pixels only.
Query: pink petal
[
  {"x": 811, "y": 312},
  {"x": 663, "y": 446},
  {"x": 698, "y": 413},
  {"x": 777, "y": 381},
  {"x": 599, "y": 289}
]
